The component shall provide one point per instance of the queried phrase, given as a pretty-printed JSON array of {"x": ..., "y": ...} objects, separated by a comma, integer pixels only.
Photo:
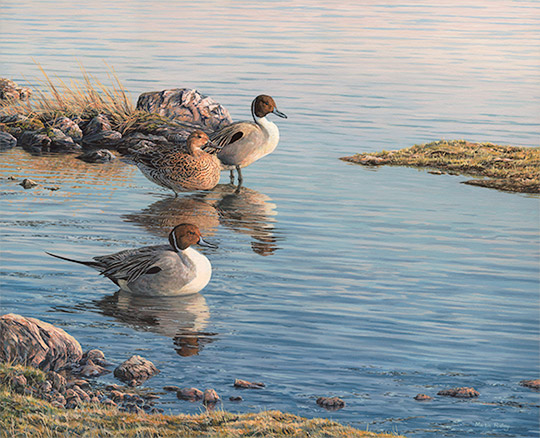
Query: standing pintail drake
[
  {"x": 243, "y": 143},
  {"x": 163, "y": 270},
  {"x": 181, "y": 169}
]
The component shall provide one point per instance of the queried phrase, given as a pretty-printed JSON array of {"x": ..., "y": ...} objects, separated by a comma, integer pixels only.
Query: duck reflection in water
[
  {"x": 183, "y": 319},
  {"x": 240, "y": 209}
]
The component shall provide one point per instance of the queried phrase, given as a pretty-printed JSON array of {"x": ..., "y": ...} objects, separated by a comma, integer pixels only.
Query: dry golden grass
[
  {"x": 26, "y": 416},
  {"x": 53, "y": 98},
  {"x": 507, "y": 168}
]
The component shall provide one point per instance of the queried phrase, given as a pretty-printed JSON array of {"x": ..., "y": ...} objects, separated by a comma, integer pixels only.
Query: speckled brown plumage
[{"x": 181, "y": 168}]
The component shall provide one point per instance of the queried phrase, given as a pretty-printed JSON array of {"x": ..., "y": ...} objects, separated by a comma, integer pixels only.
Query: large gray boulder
[
  {"x": 186, "y": 105},
  {"x": 29, "y": 341}
]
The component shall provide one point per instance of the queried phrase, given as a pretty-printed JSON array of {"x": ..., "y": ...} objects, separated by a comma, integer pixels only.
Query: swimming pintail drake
[
  {"x": 163, "y": 270},
  {"x": 243, "y": 143},
  {"x": 180, "y": 169}
]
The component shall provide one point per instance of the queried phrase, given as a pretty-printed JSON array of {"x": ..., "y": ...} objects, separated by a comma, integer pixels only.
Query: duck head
[
  {"x": 263, "y": 105},
  {"x": 196, "y": 140},
  {"x": 184, "y": 235}
]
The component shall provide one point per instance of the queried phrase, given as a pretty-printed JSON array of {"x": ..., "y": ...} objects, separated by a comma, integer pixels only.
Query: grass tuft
[{"x": 509, "y": 168}]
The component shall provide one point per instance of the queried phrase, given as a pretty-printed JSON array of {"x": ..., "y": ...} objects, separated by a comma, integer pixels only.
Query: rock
[
  {"x": 171, "y": 388},
  {"x": 130, "y": 141},
  {"x": 116, "y": 395},
  {"x": 99, "y": 156},
  {"x": 98, "y": 133},
  {"x": 81, "y": 394},
  {"x": 210, "y": 397},
  {"x": 96, "y": 356},
  {"x": 422, "y": 397},
  {"x": 114, "y": 387},
  {"x": 10, "y": 91},
  {"x": 534, "y": 384},
  {"x": 248, "y": 385},
  {"x": 150, "y": 396},
  {"x": 331, "y": 403},
  {"x": 102, "y": 139},
  {"x": 18, "y": 381},
  {"x": 68, "y": 127},
  {"x": 186, "y": 105},
  {"x": 462, "y": 392},
  {"x": 108, "y": 402},
  {"x": 34, "y": 141},
  {"x": 90, "y": 369},
  {"x": 371, "y": 160},
  {"x": 60, "y": 141},
  {"x": 57, "y": 380},
  {"x": 236, "y": 398},
  {"x": 78, "y": 382},
  {"x": 135, "y": 370},
  {"x": 29, "y": 341},
  {"x": 28, "y": 184},
  {"x": 436, "y": 172},
  {"x": 45, "y": 387},
  {"x": 52, "y": 188},
  {"x": 190, "y": 394},
  {"x": 7, "y": 141}
]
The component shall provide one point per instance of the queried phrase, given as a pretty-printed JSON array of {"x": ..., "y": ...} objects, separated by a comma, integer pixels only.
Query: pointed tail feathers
[{"x": 94, "y": 265}]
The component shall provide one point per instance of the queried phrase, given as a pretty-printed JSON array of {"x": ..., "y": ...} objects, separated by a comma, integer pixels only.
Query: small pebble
[
  {"x": 534, "y": 384},
  {"x": 248, "y": 385},
  {"x": 28, "y": 183},
  {"x": 171, "y": 388},
  {"x": 331, "y": 403},
  {"x": 190, "y": 394},
  {"x": 210, "y": 397},
  {"x": 463, "y": 392}
]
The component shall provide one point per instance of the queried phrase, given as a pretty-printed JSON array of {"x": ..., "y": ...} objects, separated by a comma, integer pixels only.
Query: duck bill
[
  {"x": 279, "y": 113},
  {"x": 203, "y": 242}
]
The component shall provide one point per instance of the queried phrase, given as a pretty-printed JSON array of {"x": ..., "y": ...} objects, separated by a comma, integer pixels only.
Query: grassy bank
[
  {"x": 23, "y": 415},
  {"x": 509, "y": 168}
]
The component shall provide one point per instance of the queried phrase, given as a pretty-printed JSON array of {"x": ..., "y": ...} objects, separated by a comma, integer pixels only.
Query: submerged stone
[{"x": 462, "y": 392}]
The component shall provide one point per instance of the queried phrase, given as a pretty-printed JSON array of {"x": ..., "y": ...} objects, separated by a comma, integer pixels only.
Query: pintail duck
[
  {"x": 174, "y": 269},
  {"x": 243, "y": 143},
  {"x": 180, "y": 169}
]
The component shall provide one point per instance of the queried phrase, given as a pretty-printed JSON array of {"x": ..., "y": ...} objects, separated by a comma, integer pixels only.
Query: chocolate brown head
[
  {"x": 184, "y": 235},
  {"x": 263, "y": 105}
]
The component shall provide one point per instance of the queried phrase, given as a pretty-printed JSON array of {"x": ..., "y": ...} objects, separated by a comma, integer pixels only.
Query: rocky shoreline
[{"x": 70, "y": 376}]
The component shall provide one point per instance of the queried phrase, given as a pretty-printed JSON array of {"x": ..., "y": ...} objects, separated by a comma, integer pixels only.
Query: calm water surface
[{"x": 329, "y": 279}]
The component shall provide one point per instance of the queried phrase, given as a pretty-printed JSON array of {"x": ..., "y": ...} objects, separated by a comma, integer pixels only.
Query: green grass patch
[{"x": 509, "y": 168}]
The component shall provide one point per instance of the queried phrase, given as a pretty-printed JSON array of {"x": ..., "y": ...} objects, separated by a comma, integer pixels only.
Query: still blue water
[{"x": 329, "y": 279}]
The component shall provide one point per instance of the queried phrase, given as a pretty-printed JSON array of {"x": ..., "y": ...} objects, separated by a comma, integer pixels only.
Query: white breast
[
  {"x": 203, "y": 272},
  {"x": 272, "y": 132}
]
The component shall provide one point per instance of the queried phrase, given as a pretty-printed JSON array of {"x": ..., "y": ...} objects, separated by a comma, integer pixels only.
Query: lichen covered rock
[
  {"x": 186, "y": 105},
  {"x": 29, "y": 341},
  {"x": 11, "y": 91},
  {"x": 135, "y": 370}
]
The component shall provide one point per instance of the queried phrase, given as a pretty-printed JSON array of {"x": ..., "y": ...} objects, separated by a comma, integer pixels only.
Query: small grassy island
[
  {"x": 25, "y": 414},
  {"x": 509, "y": 168}
]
